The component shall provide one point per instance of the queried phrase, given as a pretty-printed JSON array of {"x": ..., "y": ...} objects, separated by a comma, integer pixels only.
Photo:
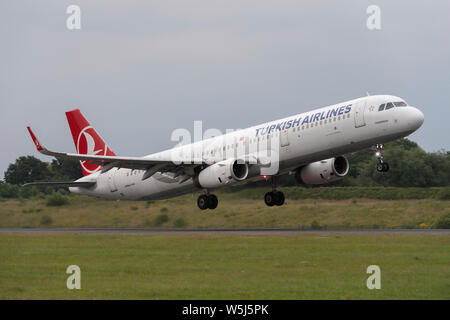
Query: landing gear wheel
[
  {"x": 212, "y": 201},
  {"x": 269, "y": 199},
  {"x": 383, "y": 167},
  {"x": 279, "y": 198},
  {"x": 380, "y": 167},
  {"x": 209, "y": 201},
  {"x": 202, "y": 202},
  {"x": 274, "y": 198}
]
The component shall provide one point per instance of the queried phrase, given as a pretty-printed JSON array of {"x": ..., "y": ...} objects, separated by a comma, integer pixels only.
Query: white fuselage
[{"x": 298, "y": 140}]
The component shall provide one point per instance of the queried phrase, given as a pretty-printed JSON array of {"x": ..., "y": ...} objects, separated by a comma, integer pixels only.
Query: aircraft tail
[{"x": 87, "y": 141}]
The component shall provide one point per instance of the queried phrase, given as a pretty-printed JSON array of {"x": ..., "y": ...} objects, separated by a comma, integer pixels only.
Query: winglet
[{"x": 35, "y": 140}]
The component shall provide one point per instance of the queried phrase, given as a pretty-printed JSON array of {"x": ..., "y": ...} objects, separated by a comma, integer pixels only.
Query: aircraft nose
[{"x": 416, "y": 118}]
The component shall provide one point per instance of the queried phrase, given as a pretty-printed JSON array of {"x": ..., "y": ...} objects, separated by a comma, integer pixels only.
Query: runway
[{"x": 99, "y": 231}]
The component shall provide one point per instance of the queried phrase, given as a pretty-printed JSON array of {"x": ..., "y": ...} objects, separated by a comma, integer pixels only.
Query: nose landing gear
[{"x": 381, "y": 166}]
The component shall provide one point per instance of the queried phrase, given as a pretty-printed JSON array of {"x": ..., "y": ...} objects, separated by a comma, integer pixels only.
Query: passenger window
[
  {"x": 390, "y": 105},
  {"x": 381, "y": 108}
]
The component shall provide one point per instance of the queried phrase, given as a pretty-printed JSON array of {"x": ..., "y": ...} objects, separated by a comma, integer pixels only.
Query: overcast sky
[{"x": 140, "y": 69}]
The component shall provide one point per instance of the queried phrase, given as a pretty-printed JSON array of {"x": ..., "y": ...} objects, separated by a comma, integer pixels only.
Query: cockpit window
[{"x": 389, "y": 105}]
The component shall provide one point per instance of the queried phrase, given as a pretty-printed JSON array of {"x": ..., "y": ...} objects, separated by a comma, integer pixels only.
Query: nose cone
[{"x": 416, "y": 118}]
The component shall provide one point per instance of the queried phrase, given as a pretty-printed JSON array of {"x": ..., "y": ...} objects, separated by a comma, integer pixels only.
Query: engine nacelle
[
  {"x": 222, "y": 173},
  {"x": 323, "y": 171}
]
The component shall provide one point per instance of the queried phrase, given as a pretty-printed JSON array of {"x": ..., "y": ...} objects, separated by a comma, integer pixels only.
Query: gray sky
[{"x": 140, "y": 69}]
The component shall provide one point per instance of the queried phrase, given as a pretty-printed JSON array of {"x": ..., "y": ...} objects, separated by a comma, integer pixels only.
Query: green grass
[
  {"x": 224, "y": 266},
  {"x": 234, "y": 211}
]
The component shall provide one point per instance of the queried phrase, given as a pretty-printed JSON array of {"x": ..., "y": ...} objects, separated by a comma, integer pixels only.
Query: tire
[
  {"x": 380, "y": 167},
  {"x": 279, "y": 198},
  {"x": 385, "y": 167},
  {"x": 212, "y": 201},
  {"x": 269, "y": 199},
  {"x": 202, "y": 202}
]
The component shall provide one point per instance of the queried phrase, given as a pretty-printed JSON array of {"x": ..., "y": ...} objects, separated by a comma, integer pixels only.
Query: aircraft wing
[
  {"x": 109, "y": 162},
  {"x": 150, "y": 165}
]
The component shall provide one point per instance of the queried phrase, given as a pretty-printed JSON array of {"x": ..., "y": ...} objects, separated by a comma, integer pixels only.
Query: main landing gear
[
  {"x": 274, "y": 197},
  {"x": 207, "y": 201},
  {"x": 381, "y": 166}
]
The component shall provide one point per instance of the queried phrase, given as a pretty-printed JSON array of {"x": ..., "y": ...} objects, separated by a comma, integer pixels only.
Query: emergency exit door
[{"x": 284, "y": 138}]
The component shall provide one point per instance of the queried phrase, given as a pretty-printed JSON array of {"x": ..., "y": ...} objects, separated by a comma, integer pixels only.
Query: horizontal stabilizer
[{"x": 64, "y": 184}]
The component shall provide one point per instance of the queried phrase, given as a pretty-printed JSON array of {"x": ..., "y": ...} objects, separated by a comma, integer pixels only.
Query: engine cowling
[
  {"x": 323, "y": 171},
  {"x": 222, "y": 173}
]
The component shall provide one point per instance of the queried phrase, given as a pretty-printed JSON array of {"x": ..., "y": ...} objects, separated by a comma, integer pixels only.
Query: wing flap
[{"x": 62, "y": 184}]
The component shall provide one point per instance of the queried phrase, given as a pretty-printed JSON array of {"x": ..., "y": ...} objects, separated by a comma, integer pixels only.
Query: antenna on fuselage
[{"x": 368, "y": 94}]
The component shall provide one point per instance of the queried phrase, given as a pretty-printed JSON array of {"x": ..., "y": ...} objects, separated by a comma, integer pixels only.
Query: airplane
[{"x": 309, "y": 145}]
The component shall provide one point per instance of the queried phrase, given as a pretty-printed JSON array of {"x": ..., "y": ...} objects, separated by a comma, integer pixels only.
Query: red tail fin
[{"x": 87, "y": 140}]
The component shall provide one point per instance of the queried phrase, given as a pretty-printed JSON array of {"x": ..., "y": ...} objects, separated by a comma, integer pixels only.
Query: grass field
[
  {"x": 233, "y": 212},
  {"x": 224, "y": 266}
]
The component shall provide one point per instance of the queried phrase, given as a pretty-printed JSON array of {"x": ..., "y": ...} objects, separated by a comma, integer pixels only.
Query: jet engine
[
  {"x": 323, "y": 171},
  {"x": 222, "y": 173}
]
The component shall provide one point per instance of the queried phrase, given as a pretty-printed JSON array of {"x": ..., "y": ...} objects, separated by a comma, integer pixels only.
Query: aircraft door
[
  {"x": 284, "y": 138},
  {"x": 359, "y": 113}
]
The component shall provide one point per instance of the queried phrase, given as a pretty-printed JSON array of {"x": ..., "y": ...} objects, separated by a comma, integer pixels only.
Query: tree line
[{"x": 30, "y": 169}]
